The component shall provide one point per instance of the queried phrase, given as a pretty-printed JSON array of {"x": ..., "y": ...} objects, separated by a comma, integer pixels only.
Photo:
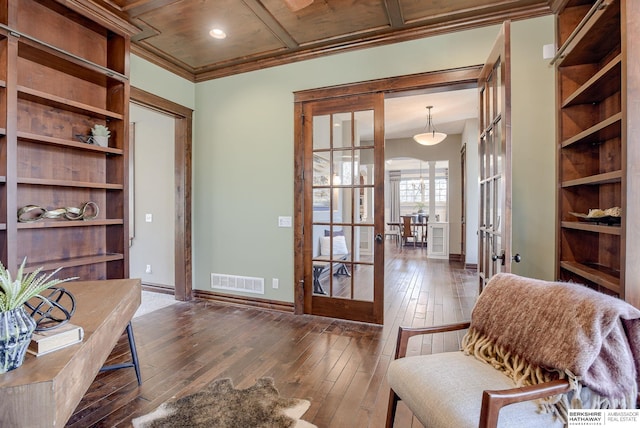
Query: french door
[
  {"x": 494, "y": 232},
  {"x": 343, "y": 224}
]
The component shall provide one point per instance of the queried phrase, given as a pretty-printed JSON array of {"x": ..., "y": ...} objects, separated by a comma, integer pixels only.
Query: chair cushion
[
  {"x": 445, "y": 390},
  {"x": 339, "y": 245}
]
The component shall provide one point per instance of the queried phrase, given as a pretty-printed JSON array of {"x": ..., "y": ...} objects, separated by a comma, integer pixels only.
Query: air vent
[{"x": 247, "y": 284}]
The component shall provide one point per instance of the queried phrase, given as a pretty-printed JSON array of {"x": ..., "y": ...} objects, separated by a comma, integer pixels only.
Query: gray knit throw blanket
[{"x": 536, "y": 331}]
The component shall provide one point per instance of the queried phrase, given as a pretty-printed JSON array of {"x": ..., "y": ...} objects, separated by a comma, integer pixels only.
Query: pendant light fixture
[{"x": 431, "y": 137}]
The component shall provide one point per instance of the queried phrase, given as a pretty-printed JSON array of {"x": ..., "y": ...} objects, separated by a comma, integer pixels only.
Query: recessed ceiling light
[{"x": 217, "y": 33}]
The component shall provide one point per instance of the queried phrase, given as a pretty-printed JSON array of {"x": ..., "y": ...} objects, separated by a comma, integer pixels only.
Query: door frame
[
  {"x": 463, "y": 205},
  {"x": 490, "y": 260},
  {"x": 328, "y": 304},
  {"x": 182, "y": 158},
  {"x": 434, "y": 81}
]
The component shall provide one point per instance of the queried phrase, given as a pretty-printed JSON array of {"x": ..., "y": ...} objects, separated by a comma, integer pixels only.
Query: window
[
  {"x": 441, "y": 190},
  {"x": 442, "y": 194},
  {"x": 417, "y": 188},
  {"x": 414, "y": 190}
]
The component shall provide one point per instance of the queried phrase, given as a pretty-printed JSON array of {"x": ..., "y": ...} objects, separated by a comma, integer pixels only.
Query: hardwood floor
[{"x": 339, "y": 366}]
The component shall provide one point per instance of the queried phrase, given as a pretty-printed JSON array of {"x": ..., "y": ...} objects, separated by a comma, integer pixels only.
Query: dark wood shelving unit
[
  {"x": 589, "y": 227},
  {"x": 600, "y": 275},
  {"x": 607, "y": 177},
  {"x": 65, "y": 104},
  {"x": 66, "y": 223},
  {"x": 597, "y": 88},
  {"x": 598, "y": 35},
  {"x": 68, "y": 183},
  {"x": 74, "y": 262},
  {"x": 607, "y": 129},
  {"x": 61, "y": 72},
  {"x": 53, "y": 57},
  {"x": 43, "y": 139},
  {"x": 602, "y": 85}
]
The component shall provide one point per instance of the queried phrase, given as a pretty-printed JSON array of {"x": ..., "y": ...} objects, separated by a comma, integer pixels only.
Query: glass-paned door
[
  {"x": 494, "y": 233},
  {"x": 343, "y": 188}
]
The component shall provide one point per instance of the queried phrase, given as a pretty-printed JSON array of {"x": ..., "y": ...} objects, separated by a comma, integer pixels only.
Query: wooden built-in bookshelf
[
  {"x": 61, "y": 72},
  {"x": 597, "y": 97}
]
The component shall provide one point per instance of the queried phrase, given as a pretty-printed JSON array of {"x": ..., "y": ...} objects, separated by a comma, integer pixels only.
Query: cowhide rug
[{"x": 219, "y": 404}]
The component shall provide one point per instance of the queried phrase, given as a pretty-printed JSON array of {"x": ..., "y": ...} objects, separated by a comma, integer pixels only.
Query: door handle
[
  {"x": 517, "y": 258},
  {"x": 496, "y": 257},
  {"x": 379, "y": 237}
]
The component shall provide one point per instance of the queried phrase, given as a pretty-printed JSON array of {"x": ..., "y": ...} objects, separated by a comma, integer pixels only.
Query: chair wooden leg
[{"x": 391, "y": 409}]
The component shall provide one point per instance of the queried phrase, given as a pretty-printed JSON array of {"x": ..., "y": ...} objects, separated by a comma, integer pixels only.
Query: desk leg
[
  {"x": 342, "y": 270},
  {"x": 134, "y": 357},
  {"x": 317, "y": 287}
]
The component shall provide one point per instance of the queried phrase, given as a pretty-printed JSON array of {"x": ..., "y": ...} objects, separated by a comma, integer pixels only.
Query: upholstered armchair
[
  {"x": 455, "y": 390},
  {"x": 533, "y": 349}
]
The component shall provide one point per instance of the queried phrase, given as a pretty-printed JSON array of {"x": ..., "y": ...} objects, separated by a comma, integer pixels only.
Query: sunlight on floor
[{"x": 152, "y": 301}]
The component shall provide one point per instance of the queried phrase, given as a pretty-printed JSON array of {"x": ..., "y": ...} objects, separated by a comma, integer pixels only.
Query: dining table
[{"x": 418, "y": 228}]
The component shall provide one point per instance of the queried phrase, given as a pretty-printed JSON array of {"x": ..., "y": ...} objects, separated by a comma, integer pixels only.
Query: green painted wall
[
  {"x": 243, "y": 147},
  {"x": 158, "y": 81},
  {"x": 533, "y": 143}
]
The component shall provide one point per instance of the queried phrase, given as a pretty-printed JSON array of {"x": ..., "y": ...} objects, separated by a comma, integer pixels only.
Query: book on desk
[{"x": 43, "y": 342}]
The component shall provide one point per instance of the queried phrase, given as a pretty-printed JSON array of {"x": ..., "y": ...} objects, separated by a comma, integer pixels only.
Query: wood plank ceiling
[{"x": 262, "y": 33}]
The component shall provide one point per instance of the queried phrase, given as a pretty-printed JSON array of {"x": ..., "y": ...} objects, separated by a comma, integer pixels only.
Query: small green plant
[
  {"x": 14, "y": 293},
  {"x": 100, "y": 131}
]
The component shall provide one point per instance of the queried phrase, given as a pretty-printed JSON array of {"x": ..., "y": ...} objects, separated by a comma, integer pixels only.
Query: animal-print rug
[{"x": 220, "y": 405}]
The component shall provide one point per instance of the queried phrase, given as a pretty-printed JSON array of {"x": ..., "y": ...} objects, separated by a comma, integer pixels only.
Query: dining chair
[
  {"x": 394, "y": 233},
  {"x": 406, "y": 231},
  {"x": 424, "y": 227}
]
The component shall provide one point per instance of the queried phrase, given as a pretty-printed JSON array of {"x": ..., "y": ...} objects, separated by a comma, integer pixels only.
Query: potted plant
[
  {"x": 100, "y": 135},
  {"x": 16, "y": 326}
]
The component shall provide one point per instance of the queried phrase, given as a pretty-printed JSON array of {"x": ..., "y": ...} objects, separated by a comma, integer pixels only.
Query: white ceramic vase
[{"x": 100, "y": 140}]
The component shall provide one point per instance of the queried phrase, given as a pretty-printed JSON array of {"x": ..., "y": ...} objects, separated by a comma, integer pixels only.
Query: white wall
[
  {"x": 154, "y": 184},
  {"x": 243, "y": 147},
  {"x": 470, "y": 136}
]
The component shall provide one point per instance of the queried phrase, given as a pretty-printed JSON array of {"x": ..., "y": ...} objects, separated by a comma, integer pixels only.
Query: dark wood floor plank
[{"x": 339, "y": 366}]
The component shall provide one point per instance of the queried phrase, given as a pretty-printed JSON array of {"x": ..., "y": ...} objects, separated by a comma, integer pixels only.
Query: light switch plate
[
  {"x": 548, "y": 51},
  {"x": 284, "y": 221}
]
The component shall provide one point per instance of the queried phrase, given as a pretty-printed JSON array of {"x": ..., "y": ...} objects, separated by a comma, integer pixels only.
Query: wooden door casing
[
  {"x": 348, "y": 303},
  {"x": 442, "y": 80},
  {"x": 494, "y": 234}
]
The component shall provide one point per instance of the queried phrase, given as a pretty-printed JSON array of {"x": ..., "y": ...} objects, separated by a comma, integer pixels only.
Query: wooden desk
[{"x": 45, "y": 390}]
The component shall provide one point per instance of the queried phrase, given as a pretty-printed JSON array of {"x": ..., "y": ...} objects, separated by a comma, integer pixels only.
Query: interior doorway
[
  {"x": 454, "y": 112},
  {"x": 151, "y": 230},
  {"x": 426, "y": 83},
  {"x": 182, "y": 117}
]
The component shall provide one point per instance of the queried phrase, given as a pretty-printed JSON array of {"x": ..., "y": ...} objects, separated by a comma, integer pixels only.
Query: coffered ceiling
[{"x": 262, "y": 33}]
